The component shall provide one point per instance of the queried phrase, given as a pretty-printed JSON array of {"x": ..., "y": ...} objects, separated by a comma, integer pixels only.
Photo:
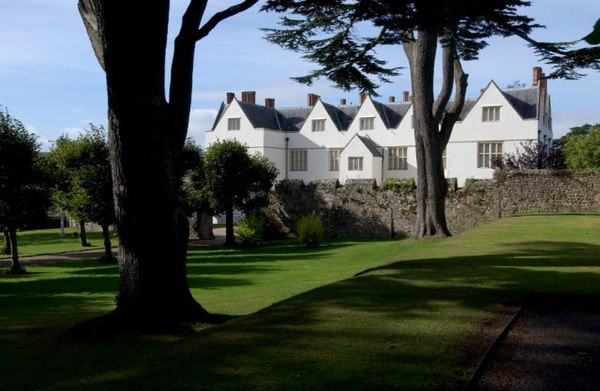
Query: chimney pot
[
  {"x": 312, "y": 99},
  {"x": 342, "y": 102},
  {"x": 363, "y": 97},
  {"x": 406, "y": 96},
  {"x": 249, "y": 97},
  {"x": 392, "y": 99},
  {"x": 270, "y": 102},
  {"x": 537, "y": 75},
  {"x": 230, "y": 97}
]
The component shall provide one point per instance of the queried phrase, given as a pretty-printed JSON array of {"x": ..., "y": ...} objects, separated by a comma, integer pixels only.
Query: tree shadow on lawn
[{"x": 412, "y": 324}]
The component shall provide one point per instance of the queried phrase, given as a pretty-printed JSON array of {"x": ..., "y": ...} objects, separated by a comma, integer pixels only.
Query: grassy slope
[
  {"x": 48, "y": 241},
  {"x": 412, "y": 324}
]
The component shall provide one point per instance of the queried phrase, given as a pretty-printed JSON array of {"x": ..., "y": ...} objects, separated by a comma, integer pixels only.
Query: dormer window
[
  {"x": 318, "y": 125},
  {"x": 490, "y": 114},
  {"x": 233, "y": 123},
  {"x": 367, "y": 123}
]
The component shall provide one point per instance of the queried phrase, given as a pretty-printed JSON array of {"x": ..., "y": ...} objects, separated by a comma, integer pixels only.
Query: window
[
  {"x": 487, "y": 153},
  {"x": 397, "y": 158},
  {"x": 355, "y": 164},
  {"x": 233, "y": 123},
  {"x": 334, "y": 160},
  {"x": 367, "y": 123},
  {"x": 491, "y": 114},
  {"x": 318, "y": 125},
  {"x": 298, "y": 159}
]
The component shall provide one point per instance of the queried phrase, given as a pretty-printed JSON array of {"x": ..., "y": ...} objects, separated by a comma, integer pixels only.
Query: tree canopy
[
  {"x": 581, "y": 147},
  {"x": 23, "y": 181}
]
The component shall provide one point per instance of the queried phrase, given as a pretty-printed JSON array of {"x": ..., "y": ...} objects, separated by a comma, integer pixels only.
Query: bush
[
  {"x": 251, "y": 230},
  {"x": 469, "y": 182},
  {"x": 397, "y": 184},
  {"x": 310, "y": 230}
]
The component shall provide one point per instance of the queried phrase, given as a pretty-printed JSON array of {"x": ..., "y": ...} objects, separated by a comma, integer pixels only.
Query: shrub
[
  {"x": 251, "y": 230},
  {"x": 310, "y": 230},
  {"x": 397, "y": 184},
  {"x": 469, "y": 182}
]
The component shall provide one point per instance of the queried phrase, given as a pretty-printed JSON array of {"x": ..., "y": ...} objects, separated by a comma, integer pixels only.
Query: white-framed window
[
  {"x": 355, "y": 163},
  {"x": 397, "y": 158},
  {"x": 234, "y": 123},
  {"x": 490, "y": 114},
  {"x": 486, "y": 153},
  {"x": 298, "y": 159},
  {"x": 367, "y": 123},
  {"x": 334, "y": 159},
  {"x": 318, "y": 125}
]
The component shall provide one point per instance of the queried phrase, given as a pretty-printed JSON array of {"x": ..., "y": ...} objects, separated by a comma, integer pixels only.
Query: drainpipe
[{"x": 287, "y": 147}]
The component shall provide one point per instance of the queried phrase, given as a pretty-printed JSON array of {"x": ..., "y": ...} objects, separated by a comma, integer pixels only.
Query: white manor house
[{"x": 375, "y": 140}]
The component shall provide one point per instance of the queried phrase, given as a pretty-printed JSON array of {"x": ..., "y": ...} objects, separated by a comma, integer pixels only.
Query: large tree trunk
[
  {"x": 145, "y": 145},
  {"x": 108, "y": 255},
  {"x": 229, "y": 233},
  {"x": 433, "y": 123},
  {"x": 15, "y": 266},
  {"x": 83, "y": 235}
]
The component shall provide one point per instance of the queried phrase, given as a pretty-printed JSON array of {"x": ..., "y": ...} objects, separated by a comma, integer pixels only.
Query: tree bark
[
  {"x": 108, "y": 255},
  {"x": 229, "y": 233},
  {"x": 144, "y": 151},
  {"x": 433, "y": 123},
  {"x": 83, "y": 235},
  {"x": 15, "y": 266}
]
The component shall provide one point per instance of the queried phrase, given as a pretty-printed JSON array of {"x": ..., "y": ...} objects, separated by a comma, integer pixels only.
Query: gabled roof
[
  {"x": 340, "y": 118},
  {"x": 294, "y": 117},
  {"x": 262, "y": 117},
  {"x": 371, "y": 146},
  {"x": 219, "y": 114},
  {"x": 390, "y": 117},
  {"x": 523, "y": 100}
]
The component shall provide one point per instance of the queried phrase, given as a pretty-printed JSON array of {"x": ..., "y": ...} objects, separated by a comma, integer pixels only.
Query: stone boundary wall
[{"x": 361, "y": 209}]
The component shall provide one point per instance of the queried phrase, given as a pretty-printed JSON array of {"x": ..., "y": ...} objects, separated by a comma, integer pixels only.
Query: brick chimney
[
  {"x": 537, "y": 76},
  {"x": 230, "y": 97},
  {"x": 342, "y": 102},
  {"x": 270, "y": 102},
  {"x": 392, "y": 99},
  {"x": 406, "y": 96},
  {"x": 362, "y": 97},
  {"x": 249, "y": 97},
  {"x": 311, "y": 99}
]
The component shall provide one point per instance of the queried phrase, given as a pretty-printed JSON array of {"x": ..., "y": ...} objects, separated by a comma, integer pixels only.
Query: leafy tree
[
  {"x": 195, "y": 197},
  {"x": 341, "y": 38},
  {"x": 85, "y": 183},
  {"x": 147, "y": 131},
  {"x": 236, "y": 180},
  {"x": 23, "y": 190},
  {"x": 581, "y": 148},
  {"x": 532, "y": 156}
]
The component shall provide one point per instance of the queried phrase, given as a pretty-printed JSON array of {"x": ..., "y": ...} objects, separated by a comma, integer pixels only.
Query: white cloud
[{"x": 201, "y": 120}]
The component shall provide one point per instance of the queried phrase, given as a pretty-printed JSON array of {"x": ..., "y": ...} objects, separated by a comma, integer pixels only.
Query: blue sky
[{"x": 50, "y": 80}]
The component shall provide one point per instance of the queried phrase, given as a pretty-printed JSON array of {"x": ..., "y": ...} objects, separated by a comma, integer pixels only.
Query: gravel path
[{"x": 547, "y": 349}]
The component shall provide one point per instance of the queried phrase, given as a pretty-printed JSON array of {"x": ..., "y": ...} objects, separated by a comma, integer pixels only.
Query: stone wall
[{"x": 361, "y": 209}]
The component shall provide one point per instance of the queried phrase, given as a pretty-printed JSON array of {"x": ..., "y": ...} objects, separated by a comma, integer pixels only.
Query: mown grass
[
  {"x": 418, "y": 323},
  {"x": 48, "y": 241}
]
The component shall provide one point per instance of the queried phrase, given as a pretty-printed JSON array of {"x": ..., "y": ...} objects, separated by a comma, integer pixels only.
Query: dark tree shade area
[{"x": 23, "y": 182}]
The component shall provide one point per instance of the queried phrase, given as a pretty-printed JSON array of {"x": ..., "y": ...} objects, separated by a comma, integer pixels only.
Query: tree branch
[
  {"x": 451, "y": 116},
  {"x": 220, "y": 16},
  {"x": 448, "y": 57}
]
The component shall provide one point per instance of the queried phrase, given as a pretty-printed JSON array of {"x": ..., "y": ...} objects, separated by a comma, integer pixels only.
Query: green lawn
[
  {"x": 48, "y": 241},
  {"x": 417, "y": 323}
]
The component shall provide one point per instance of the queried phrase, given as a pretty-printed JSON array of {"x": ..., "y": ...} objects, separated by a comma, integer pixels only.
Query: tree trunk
[
  {"x": 204, "y": 226},
  {"x": 83, "y": 235},
  {"x": 145, "y": 145},
  {"x": 229, "y": 233},
  {"x": 15, "y": 266},
  {"x": 108, "y": 255},
  {"x": 433, "y": 123},
  {"x": 6, "y": 249}
]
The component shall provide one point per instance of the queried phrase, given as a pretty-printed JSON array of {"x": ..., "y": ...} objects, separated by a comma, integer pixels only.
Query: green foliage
[
  {"x": 469, "y": 183},
  {"x": 531, "y": 156},
  {"x": 23, "y": 175},
  {"x": 251, "y": 230},
  {"x": 83, "y": 176},
  {"x": 401, "y": 185},
  {"x": 582, "y": 149},
  {"x": 310, "y": 230}
]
